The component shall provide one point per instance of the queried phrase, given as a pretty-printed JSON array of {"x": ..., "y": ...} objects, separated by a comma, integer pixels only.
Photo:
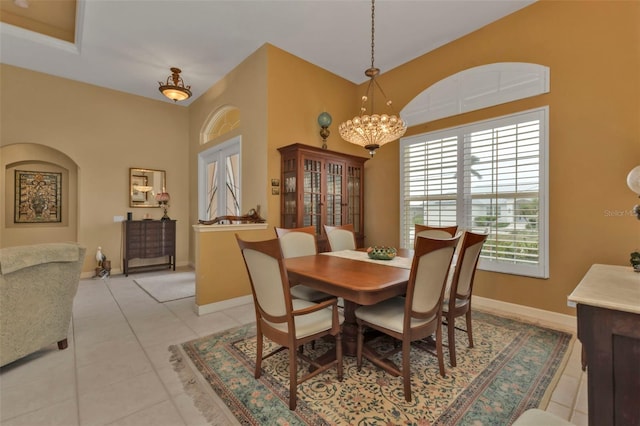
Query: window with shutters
[{"x": 488, "y": 177}]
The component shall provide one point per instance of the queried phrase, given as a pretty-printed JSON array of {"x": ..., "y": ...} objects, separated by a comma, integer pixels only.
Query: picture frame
[{"x": 38, "y": 197}]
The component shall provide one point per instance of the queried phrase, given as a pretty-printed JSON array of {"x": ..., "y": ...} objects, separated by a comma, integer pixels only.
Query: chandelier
[
  {"x": 174, "y": 87},
  {"x": 371, "y": 131}
]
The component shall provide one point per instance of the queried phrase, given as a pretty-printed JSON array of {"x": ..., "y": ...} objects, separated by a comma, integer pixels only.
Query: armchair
[{"x": 37, "y": 287}]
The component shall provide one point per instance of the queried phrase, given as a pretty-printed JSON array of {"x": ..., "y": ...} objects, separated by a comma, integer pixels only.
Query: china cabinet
[{"x": 321, "y": 187}]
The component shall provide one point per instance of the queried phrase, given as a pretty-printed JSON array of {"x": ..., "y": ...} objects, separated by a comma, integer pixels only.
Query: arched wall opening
[{"x": 20, "y": 162}]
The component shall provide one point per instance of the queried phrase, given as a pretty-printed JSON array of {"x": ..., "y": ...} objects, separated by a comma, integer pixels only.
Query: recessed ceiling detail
[{"x": 55, "y": 19}]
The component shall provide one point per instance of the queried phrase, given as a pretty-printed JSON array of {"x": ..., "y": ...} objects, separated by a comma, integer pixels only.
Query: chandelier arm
[{"x": 388, "y": 103}]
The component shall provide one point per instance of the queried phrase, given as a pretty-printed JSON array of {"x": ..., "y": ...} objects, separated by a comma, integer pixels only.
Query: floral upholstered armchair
[{"x": 37, "y": 286}]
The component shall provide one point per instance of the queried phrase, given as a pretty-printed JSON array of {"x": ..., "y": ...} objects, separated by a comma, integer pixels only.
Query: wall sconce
[
  {"x": 633, "y": 181},
  {"x": 324, "y": 120}
]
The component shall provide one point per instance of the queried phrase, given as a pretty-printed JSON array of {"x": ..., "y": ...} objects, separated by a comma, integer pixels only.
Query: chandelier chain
[
  {"x": 368, "y": 129},
  {"x": 373, "y": 13}
]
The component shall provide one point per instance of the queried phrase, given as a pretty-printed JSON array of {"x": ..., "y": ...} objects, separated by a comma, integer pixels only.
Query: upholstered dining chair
[
  {"x": 284, "y": 320},
  {"x": 415, "y": 316},
  {"x": 297, "y": 242},
  {"x": 458, "y": 300},
  {"x": 341, "y": 237}
]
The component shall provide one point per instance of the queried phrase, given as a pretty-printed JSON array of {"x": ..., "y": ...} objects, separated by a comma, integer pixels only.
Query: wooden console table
[
  {"x": 608, "y": 303},
  {"x": 146, "y": 239}
]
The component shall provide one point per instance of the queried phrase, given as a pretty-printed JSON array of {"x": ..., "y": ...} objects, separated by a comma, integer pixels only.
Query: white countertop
[{"x": 609, "y": 286}]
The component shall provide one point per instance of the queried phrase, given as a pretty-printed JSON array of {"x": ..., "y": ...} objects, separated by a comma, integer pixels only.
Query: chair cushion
[
  {"x": 309, "y": 324},
  {"x": 307, "y": 293},
  {"x": 388, "y": 314}
]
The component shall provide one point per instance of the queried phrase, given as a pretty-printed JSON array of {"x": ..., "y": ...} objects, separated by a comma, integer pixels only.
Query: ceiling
[{"x": 130, "y": 45}]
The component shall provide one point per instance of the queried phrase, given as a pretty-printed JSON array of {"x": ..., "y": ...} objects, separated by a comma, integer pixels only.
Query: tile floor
[{"x": 116, "y": 370}]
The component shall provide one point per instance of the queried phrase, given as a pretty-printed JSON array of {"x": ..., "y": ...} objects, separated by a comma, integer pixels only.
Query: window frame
[
  {"x": 218, "y": 153},
  {"x": 462, "y": 198}
]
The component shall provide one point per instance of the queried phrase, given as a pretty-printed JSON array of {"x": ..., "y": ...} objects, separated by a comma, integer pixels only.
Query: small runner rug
[
  {"x": 170, "y": 286},
  {"x": 513, "y": 366}
]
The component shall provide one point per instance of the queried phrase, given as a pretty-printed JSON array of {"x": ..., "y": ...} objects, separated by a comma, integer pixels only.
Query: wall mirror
[{"x": 144, "y": 184}]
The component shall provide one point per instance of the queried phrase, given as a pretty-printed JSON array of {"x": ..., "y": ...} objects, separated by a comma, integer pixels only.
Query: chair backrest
[
  {"x": 429, "y": 270},
  {"x": 341, "y": 237},
  {"x": 435, "y": 232},
  {"x": 297, "y": 242},
  {"x": 468, "y": 256},
  {"x": 268, "y": 277}
]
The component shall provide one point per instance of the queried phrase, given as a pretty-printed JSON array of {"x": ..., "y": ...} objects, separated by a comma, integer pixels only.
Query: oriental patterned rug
[{"x": 514, "y": 366}]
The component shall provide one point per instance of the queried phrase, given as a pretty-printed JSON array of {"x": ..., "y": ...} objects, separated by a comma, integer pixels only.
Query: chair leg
[
  {"x": 258, "y": 370},
  {"x": 451, "y": 333},
  {"x": 63, "y": 344},
  {"x": 339, "y": 356},
  {"x": 293, "y": 379},
  {"x": 360, "y": 343},
  {"x": 439, "y": 349},
  {"x": 469, "y": 329},
  {"x": 406, "y": 369}
]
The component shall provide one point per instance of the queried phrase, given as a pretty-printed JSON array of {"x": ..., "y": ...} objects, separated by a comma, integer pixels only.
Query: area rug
[
  {"x": 167, "y": 287},
  {"x": 513, "y": 366}
]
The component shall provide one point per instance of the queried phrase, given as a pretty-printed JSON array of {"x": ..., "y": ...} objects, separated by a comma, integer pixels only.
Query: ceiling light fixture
[
  {"x": 174, "y": 88},
  {"x": 372, "y": 131}
]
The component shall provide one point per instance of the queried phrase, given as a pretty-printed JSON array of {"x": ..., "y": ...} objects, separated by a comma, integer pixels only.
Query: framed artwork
[
  {"x": 139, "y": 189},
  {"x": 38, "y": 197}
]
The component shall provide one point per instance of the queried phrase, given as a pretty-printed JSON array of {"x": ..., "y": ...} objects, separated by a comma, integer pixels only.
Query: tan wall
[
  {"x": 103, "y": 133},
  {"x": 593, "y": 50}
]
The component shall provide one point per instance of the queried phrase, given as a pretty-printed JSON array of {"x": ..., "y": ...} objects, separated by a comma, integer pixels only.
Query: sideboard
[
  {"x": 608, "y": 303},
  {"x": 149, "y": 239}
]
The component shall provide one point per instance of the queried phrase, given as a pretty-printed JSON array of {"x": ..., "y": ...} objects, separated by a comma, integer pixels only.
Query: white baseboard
[
  {"x": 541, "y": 317},
  {"x": 534, "y": 315},
  {"x": 222, "y": 305}
]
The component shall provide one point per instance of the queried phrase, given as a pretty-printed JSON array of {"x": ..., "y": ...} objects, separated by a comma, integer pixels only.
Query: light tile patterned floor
[{"x": 116, "y": 370}]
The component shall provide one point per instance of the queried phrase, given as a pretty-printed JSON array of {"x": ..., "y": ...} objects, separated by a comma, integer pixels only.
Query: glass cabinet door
[
  {"x": 312, "y": 193},
  {"x": 334, "y": 193},
  {"x": 289, "y": 207},
  {"x": 354, "y": 197}
]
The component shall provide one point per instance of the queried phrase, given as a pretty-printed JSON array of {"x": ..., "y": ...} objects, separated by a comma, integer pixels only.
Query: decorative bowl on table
[{"x": 381, "y": 253}]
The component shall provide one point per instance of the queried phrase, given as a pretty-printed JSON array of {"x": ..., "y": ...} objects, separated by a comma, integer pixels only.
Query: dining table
[{"x": 355, "y": 278}]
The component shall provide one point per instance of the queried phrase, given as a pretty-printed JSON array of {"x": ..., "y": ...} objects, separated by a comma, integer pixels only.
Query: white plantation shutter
[{"x": 485, "y": 177}]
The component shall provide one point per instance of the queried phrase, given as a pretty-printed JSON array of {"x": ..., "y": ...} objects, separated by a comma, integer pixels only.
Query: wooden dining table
[{"x": 357, "y": 282}]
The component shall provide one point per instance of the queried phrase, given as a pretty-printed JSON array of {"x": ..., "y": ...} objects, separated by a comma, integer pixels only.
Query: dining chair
[
  {"x": 297, "y": 242},
  {"x": 341, "y": 237},
  {"x": 415, "y": 316},
  {"x": 458, "y": 299},
  {"x": 284, "y": 320}
]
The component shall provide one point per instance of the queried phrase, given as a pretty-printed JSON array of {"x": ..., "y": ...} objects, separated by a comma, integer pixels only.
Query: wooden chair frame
[
  {"x": 458, "y": 301},
  {"x": 266, "y": 323},
  {"x": 424, "y": 248}
]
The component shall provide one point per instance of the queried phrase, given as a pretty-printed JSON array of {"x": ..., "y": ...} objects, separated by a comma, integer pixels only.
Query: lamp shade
[
  {"x": 174, "y": 87},
  {"x": 324, "y": 119},
  {"x": 633, "y": 180},
  {"x": 162, "y": 197}
]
